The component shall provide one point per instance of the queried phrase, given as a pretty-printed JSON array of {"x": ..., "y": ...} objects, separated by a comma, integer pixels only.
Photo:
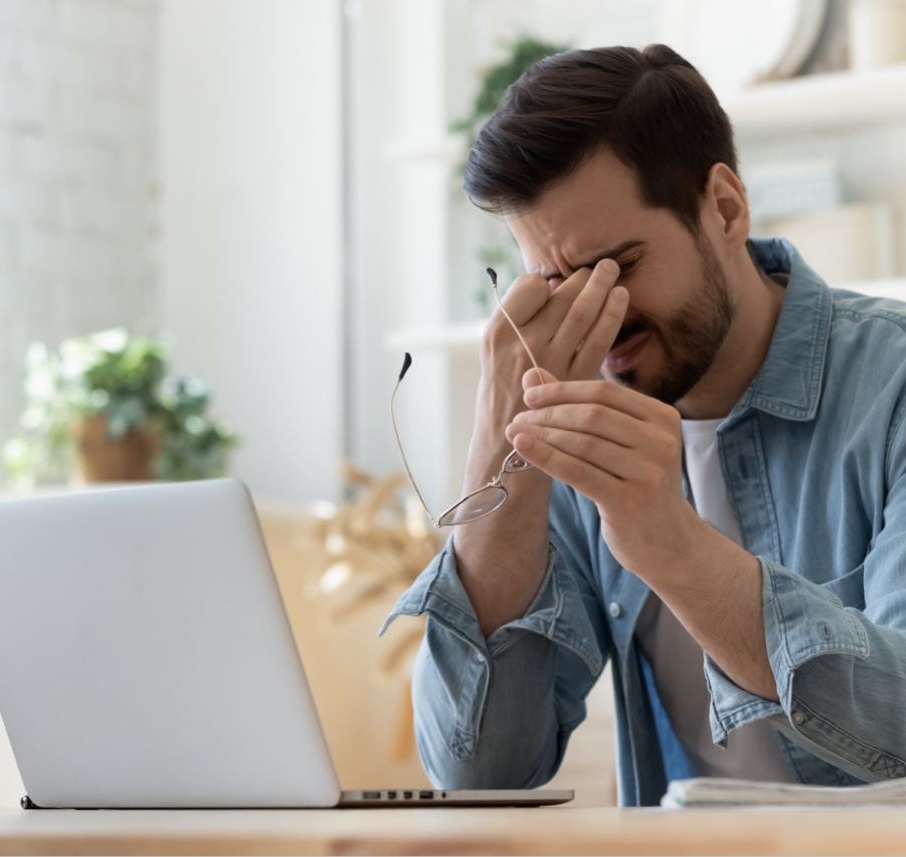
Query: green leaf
[
  {"x": 124, "y": 378},
  {"x": 522, "y": 53}
]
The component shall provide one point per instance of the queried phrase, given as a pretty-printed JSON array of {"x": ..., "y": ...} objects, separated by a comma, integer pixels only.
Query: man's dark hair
[{"x": 650, "y": 107}]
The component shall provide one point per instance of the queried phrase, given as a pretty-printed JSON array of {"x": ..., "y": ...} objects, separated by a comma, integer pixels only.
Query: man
[{"x": 718, "y": 498}]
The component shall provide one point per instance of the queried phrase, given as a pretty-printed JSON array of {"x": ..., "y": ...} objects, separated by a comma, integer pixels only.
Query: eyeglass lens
[{"x": 475, "y": 506}]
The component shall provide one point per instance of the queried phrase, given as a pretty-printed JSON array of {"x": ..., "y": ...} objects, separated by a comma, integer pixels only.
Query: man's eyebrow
[{"x": 611, "y": 253}]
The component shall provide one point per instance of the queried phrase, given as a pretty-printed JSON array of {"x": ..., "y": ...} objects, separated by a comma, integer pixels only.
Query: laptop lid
[{"x": 146, "y": 659}]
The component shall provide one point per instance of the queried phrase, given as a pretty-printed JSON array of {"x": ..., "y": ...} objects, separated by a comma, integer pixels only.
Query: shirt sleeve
[
  {"x": 497, "y": 712},
  {"x": 838, "y": 654}
]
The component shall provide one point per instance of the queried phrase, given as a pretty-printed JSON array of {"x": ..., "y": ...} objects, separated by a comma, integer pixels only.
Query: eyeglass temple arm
[
  {"x": 407, "y": 362},
  {"x": 493, "y": 275}
]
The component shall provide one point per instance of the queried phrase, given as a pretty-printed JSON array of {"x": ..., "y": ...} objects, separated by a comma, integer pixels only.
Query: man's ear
[{"x": 726, "y": 207}]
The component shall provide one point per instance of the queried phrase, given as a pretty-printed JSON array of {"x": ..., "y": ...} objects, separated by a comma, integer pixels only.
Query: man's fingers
[
  {"x": 594, "y": 420},
  {"x": 599, "y": 340},
  {"x": 607, "y": 393},
  {"x": 600, "y": 454},
  {"x": 525, "y": 298},
  {"x": 587, "y": 307},
  {"x": 579, "y": 317},
  {"x": 587, "y": 479},
  {"x": 534, "y": 376},
  {"x": 562, "y": 299}
]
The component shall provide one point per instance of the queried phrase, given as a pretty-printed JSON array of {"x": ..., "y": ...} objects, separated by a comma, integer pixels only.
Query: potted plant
[
  {"x": 494, "y": 81},
  {"x": 104, "y": 408}
]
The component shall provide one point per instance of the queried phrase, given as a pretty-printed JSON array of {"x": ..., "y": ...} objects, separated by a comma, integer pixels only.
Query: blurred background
[
  {"x": 274, "y": 185},
  {"x": 268, "y": 192}
]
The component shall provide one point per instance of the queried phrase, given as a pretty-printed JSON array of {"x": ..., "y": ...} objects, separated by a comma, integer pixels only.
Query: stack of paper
[{"x": 715, "y": 791}]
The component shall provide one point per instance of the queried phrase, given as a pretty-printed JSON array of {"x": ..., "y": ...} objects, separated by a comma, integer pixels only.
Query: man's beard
[{"x": 691, "y": 340}]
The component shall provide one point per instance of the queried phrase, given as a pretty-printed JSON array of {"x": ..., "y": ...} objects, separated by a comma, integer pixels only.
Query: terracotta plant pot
[{"x": 100, "y": 458}]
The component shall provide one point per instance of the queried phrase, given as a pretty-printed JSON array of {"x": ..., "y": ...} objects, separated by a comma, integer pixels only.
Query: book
[{"x": 718, "y": 791}]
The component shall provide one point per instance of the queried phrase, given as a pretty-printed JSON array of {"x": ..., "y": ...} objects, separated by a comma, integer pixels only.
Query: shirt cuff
[
  {"x": 461, "y": 655},
  {"x": 438, "y": 592},
  {"x": 802, "y": 620},
  {"x": 557, "y": 611}
]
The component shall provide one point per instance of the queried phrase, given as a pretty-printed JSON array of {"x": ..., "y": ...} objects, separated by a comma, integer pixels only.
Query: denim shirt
[{"x": 814, "y": 457}]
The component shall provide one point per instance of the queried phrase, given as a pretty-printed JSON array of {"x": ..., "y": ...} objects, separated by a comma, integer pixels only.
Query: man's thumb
[{"x": 534, "y": 377}]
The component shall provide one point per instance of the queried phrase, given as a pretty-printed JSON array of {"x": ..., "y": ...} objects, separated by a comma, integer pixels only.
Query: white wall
[
  {"x": 397, "y": 50},
  {"x": 250, "y": 255},
  {"x": 77, "y": 147}
]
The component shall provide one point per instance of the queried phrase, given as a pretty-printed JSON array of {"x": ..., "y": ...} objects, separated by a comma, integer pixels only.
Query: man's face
[{"x": 681, "y": 302}]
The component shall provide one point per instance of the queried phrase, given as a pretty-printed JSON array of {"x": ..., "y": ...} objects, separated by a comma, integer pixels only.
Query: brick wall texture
[{"x": 78, "y": 180}]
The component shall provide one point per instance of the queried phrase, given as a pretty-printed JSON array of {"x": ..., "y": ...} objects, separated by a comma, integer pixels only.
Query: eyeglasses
[{"x": 492, "y": 495}]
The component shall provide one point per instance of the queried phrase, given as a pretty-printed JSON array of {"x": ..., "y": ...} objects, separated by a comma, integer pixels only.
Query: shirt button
[
  {"x": 798, "y": 718},
  {"x": 615, "y": 610}
]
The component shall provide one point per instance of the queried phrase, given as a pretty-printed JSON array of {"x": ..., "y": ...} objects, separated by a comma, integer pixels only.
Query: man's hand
[
  {"x": 569, "y": 331},
  {"x": 622, "y": 450},
  {"x": 501, "y": 558}
]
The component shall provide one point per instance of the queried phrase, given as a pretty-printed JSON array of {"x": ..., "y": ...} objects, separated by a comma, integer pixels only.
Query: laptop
[{"x": 147, "y": 661}]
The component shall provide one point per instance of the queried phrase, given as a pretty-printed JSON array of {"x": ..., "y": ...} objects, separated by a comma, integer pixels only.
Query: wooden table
[{"x": 551, "y": 830}]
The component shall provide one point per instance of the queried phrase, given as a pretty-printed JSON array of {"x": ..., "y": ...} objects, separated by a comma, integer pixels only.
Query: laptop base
[{"x": 413, "y": 798}]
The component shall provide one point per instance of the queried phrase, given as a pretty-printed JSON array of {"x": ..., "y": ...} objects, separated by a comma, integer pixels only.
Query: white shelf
[
  {"x": 821, "y": 102},
  {"x": 448, "y": 149},
  {"x": 824, "y": 102},
  {"x": 464, "y": 338}
]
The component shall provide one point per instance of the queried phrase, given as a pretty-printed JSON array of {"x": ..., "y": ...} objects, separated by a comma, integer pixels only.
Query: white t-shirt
[{"x": 752, "y": 751}]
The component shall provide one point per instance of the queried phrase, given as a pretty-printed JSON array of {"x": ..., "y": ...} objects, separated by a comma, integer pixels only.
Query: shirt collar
[{"x": 789, "y": 384}]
